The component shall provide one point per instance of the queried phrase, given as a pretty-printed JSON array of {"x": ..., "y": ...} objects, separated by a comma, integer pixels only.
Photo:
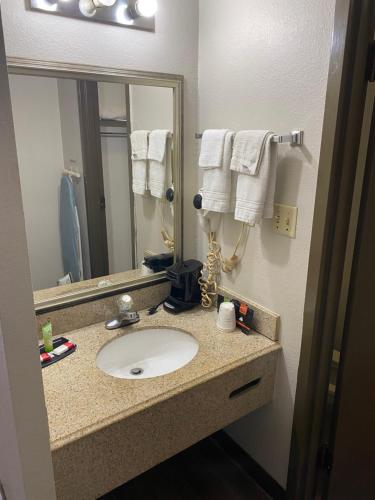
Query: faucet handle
[
  {"x": 126, "y": 316},
  {"x": 125, "y": 304}
]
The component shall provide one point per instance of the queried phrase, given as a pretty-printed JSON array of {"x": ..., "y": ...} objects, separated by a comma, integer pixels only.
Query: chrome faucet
[{"x": 126, "y": 314}]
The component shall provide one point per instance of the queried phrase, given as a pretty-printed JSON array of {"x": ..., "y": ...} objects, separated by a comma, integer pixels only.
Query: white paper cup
[{"x": 226, "y": 320}]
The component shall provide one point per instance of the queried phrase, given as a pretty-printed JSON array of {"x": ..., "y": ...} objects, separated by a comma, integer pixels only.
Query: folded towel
[
  {"x": 212, "y": 148},
  {"x": 255, "y": 194},
  {"x": 158, "y": 144},
  {"x": 139, "y": 144},
  {"x": 159, "y": 156},
  {"x": 217, "y": 185},
  {"x": 248, "y": 150}
]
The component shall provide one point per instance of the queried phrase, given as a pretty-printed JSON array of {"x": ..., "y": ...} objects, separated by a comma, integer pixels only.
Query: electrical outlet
[{"x": 285, "y": 220}]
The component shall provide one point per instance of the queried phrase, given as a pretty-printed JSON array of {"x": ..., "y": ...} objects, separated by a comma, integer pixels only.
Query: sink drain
[{"x": 136, "y": 371}]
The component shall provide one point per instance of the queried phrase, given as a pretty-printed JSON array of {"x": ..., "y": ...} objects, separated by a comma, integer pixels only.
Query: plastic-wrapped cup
[{"x": 226, "y": 320}]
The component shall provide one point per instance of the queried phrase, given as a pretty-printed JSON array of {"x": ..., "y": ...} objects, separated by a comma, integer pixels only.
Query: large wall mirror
[{"x": 99, "y": 157}]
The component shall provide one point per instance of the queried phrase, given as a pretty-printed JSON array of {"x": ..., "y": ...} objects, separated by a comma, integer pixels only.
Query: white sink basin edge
[{"x": 147, "y": 353}]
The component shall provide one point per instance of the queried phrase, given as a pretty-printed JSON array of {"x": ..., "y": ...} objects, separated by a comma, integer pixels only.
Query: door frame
[
  {"x": 26, "y": 470},
  {"x": 89, "y": 117},
  {"x": 332, "y": 236},
  {"x": 352, "y": 438}
]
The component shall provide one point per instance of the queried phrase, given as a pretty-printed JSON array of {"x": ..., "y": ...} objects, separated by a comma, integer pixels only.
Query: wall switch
[{"x": 285, "y": 220}]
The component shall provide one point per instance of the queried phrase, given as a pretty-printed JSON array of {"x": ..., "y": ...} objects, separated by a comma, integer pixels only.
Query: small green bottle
[{"x": 47, "y": 336}]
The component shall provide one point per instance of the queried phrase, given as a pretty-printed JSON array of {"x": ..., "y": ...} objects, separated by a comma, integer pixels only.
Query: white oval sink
[{"x": 147, "y": 353}]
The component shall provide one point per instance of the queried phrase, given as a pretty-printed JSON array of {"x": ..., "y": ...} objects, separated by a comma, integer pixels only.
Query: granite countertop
[{"x": 81, "y": 399}]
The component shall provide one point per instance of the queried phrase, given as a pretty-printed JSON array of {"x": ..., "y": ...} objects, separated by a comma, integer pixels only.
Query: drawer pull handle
[{"x": 245, "y": 388}]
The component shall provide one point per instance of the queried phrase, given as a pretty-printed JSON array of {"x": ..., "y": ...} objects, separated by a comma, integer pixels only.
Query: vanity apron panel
[{"x": 103, "y": 460}]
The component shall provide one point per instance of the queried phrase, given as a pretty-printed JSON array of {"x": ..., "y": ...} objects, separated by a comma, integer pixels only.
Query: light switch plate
[{"x": 285, "y": 220}]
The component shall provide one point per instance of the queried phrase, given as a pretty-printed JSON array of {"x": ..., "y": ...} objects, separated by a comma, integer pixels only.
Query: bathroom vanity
[{"x": 105, "y": 430}]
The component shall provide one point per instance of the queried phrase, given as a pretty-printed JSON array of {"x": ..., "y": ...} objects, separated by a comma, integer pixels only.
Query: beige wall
[
  {"x": 266, "y": 67},
  {"x": 70, "y": 125},
  {"x": 36, "y": 114}
]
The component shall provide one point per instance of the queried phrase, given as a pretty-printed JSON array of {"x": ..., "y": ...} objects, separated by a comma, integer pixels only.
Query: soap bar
[
  {"x": 60, "y": 350},
  {"x": 63, "y": 348}
]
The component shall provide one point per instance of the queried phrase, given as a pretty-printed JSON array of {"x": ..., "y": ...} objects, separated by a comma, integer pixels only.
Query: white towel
[
  {"x": 212, "y": 148},
  {"x": 217, "y": 182},
  {"x": 248, "y": 150},
  {"x": 255, "y": 194},
  {"x": 158, "y": 155},
  {"x": 158, "y": 144},
  {"x": 139, "y": 144}
]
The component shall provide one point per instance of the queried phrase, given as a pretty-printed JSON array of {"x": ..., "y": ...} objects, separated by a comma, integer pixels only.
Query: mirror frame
[{"x": 30, "y": 67}]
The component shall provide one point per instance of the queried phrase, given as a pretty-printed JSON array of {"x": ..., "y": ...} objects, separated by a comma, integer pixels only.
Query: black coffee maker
[{"x": 185, "y": 291}]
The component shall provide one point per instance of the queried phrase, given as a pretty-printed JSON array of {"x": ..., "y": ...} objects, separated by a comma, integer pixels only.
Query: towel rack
[
  {"x": 294, "y": 138},
  {"x": 112, "y": 123},
  {"x": 113, "y": 134},
  {"x": 71, "y": 173}
]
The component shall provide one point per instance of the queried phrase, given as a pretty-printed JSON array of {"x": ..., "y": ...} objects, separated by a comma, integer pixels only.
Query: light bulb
[
  {"x": 146, "y": 8},
  {"x": 123, "y": 16},
  {"x": 104, "y": 3},
  {"x": 48, "y": 5},
  {"x": 87, "y": 8}
]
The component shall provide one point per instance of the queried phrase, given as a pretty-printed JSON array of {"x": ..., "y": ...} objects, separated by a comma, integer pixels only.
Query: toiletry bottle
[{"x": 47, "y": 336}]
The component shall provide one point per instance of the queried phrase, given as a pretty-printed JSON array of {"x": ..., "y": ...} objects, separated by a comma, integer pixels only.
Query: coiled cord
[
  {"x": 168, "y": 240},
  {"x": 208, "y": 280},
  {"x": 228, "y": 264},
  {"x": 210, "y": 273}
]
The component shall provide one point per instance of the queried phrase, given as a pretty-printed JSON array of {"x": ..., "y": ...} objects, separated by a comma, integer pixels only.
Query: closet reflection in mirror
[{"x": 95, "y": 203}]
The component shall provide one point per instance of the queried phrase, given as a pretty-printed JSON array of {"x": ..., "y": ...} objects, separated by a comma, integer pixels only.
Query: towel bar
[{"x": 295, "y": 138}]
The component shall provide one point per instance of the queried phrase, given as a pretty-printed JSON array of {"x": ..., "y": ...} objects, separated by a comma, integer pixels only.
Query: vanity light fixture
[{"x": 138, "y": 14}]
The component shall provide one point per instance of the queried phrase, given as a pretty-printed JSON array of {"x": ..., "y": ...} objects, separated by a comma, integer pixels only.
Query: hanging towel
[
  {"x": 79, "y": 245},
  {"x": 69, "y": 230},
  {"x": 255, "y": 194},
  {"x": 212, "y": 148},
  {"x": 158, "y": 155},
  {"x": 217, "y": 182},
  {"x": 248, "y": 151},
  {"x": 139, "y": 144}
]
